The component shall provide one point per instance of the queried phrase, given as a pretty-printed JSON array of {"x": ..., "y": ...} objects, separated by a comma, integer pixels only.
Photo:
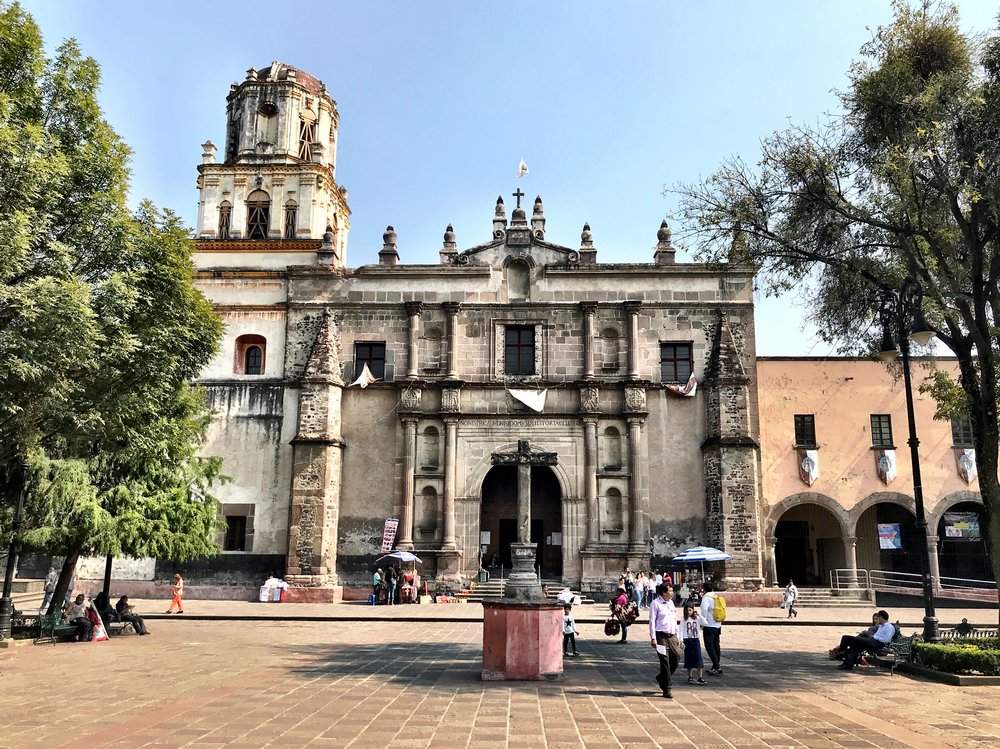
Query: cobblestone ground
[{"x": 382, "y": 684}]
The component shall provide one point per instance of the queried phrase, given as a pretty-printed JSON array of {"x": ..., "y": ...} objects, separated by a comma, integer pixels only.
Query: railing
[{"x": 905, "y": 582}]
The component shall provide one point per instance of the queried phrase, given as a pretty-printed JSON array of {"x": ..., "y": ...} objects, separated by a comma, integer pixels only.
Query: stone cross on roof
[{"x": 518, "y": 194}]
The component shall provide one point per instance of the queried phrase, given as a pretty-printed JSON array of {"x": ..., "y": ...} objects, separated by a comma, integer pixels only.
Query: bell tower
[{"x": 276, "y": 183}]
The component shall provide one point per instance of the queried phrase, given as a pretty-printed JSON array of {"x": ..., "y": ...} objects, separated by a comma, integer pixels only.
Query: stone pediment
[{"x": 515, "y": 244}]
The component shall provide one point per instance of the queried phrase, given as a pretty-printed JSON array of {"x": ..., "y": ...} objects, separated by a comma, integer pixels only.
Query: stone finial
[
  {"x": 389, "y": 254},
  {"x": 499, "y": 219},
  {"x": 208, "y": 152},
  {"x": 664, "y": 253},
  {"x": 588, "y": 253},
  {"x": 327, "y": 253},
  {"x": 450, "y": 247},
  {"x": 251, "y": 74},
  {"x": 538, "y": 218}
]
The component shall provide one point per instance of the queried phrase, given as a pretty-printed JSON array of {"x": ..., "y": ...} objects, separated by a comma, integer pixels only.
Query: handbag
[{"x": 612, "y": 627}]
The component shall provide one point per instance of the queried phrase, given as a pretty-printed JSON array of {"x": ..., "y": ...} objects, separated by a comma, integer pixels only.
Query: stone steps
[
  {"x": 494, "y": 589},
  {"x": 832, "y": 598}
]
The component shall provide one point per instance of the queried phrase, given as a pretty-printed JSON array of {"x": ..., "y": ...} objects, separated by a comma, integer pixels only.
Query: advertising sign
[
  {"x": 389, "y": 534},
  {"x": 961, "y": 526},
  {"x": 889, "y": 536}
]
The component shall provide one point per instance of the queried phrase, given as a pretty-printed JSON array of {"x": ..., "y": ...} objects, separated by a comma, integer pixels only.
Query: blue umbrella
[
  {"x": 402, "y": 556},
  {"x": 702, "y": 554}
]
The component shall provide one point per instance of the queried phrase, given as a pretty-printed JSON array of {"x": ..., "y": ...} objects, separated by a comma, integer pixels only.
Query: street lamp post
[{"x": 901, "y": 313}]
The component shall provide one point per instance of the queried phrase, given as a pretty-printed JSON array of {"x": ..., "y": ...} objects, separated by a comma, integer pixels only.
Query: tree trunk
[{"x": 65, "y": 576}]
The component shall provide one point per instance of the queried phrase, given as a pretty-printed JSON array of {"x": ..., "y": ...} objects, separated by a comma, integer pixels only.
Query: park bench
[
  {"x": 900, "y": 650},
  {"x": 114, "y": 628},
  {"x": 51, "y": 626}
]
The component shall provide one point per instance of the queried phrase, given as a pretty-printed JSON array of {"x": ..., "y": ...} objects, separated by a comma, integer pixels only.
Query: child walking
[
  {"x": 569, "y": 631},
  {"x": 691, "y": 632}
]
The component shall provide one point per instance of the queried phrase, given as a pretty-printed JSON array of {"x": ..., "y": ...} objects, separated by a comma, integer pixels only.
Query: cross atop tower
[{"x": 518, "y": 194}]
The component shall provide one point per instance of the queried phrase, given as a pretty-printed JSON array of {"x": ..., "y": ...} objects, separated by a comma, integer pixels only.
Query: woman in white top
[{"x": 791, "y": 596}]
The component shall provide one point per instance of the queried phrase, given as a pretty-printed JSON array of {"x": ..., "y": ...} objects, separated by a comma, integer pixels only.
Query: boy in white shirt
[{"x": 569, "y": 631}]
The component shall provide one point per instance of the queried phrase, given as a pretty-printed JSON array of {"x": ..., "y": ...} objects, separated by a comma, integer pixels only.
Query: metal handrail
[{"x": 861, "y": 578}]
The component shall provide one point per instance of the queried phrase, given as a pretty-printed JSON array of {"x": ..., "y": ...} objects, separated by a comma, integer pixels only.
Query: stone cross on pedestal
[{"x": 523, "y": 583}]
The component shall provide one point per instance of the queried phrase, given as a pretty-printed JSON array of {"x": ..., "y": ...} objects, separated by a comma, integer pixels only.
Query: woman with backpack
[{"x": 713, "y": 611}]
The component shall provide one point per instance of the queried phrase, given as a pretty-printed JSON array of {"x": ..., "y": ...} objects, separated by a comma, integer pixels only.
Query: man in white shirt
[
  {"x": 854, "y": 645},
  {"x": 663, "y": 624},
  {"x": 76, "y": 613},
  {"x": 712, "y": 630}
]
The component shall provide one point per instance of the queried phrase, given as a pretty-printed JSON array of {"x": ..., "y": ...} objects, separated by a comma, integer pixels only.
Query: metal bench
[
  {"x": 900, "y": 650},
  {"x": 51, "y": 626}
]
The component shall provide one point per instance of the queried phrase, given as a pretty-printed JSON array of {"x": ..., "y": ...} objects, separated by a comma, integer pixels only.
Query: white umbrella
[
  {"x": 402, "y": 556},
  {"x": 702, "y": 554}
]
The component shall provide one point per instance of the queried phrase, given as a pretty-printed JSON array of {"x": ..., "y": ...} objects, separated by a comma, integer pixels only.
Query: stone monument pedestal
[
  {"x": 312, "y": 589},
  {"x": 522, "y": 641}
]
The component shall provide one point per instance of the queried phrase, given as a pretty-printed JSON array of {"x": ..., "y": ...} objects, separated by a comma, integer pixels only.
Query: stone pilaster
[
  {"x": 588, "y": 309},
  {"x": 413, "y": 310},
  {"x": 730, "y": 458},
  {"x": 316, "y": 473},
  {"x": 409, "y": 466},
  {"x": 632, "y": 328},
  {"x": 451, "y": 310},
  {"x": 590, "y": 480},
  {"x": 450, "y": 455}
]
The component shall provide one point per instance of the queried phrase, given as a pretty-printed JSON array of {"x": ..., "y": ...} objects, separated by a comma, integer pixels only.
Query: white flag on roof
[
  {"x": 522, "y": 168},
  {"x": 364, "y": 379}
]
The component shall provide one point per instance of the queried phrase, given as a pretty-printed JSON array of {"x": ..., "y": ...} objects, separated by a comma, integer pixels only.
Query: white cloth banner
[
  {"x": 365, "y": 379},
  {"x": 688, "y": 391},
  {"x": 885, "y": 462},
  {"x": 533, "y": 399},
  {"x": 967, "y": 465},
  {"x": 809, "y": 466}
]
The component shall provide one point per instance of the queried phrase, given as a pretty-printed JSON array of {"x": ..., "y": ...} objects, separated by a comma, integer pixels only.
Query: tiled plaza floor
[{"x": 367, "y": 685}]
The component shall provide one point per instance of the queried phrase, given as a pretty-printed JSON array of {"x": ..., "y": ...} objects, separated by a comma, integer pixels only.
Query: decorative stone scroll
[
  {"x": 451, "y": 399},
  {"x": 590, "y": 399},
  {"x": 635, "y": 399},
  {"x": 411, "y": 398}
]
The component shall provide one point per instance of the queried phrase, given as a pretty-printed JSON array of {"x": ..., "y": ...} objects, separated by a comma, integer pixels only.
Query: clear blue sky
[{"x": 439, "y": 101}]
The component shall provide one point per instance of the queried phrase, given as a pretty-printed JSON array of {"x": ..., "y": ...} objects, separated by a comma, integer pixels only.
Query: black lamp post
[
  {"x": 6, "y": 602},
  {"x": 902, "y": 319}
]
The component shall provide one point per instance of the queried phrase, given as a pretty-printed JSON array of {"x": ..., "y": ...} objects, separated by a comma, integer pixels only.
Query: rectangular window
[
  {"x": 519, "y": 350},
  {"x": 881, "y": 430},
  {"x": 805, "y": 430},
  {"x": 676, "y": 362},
  {"x": 961, "y": 433},
  {"x": 372, "y": 354},
  {"x": 236, "y": 533}
]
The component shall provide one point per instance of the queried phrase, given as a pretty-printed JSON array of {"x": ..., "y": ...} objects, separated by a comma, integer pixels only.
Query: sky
[{"x": 607, "y": 103}]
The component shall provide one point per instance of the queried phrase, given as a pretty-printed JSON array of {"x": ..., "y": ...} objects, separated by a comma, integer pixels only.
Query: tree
[
  {"x": 905, "y": 182},
  {"x": 101, "y": 328}
]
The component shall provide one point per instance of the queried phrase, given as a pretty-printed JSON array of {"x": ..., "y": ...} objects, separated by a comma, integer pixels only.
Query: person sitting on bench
[
  {"x": 125, "y": 614},
  {"x": 854, "y": 645},
  {"x": 75, "y": 612}
]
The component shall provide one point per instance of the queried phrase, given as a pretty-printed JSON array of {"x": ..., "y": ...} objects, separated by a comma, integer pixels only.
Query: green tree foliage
[
  {"x": 905, "y": 182},
  {"x": 101, "y": 328}
]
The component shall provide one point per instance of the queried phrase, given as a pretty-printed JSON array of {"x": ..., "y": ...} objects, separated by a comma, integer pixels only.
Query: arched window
[
  {"x": 225, "y": 215},
  {"x": 613, "y": 511},
  {"x": 432, "y": 350},
  {"x": 612, "y": 449},
  {"x": 518, "y": 279},
  {"x": 250, "y": 355},
  {"x": 258, "y": 214},
  {"x": 267, "y": 125},
  {"x": 291, "y": 215},
  {"x": 307, "y": 134},
  {"x": 609, "y": 350},
  {"x": 431, "y": 448}
]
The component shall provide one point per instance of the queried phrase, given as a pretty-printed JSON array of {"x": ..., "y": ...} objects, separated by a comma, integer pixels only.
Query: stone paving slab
[
  {"x": 853, "y": 616},
  {"x": 368, "y": 685}
]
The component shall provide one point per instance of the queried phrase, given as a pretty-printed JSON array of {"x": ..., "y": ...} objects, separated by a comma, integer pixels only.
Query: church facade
[{"x": 348, "y": 395}]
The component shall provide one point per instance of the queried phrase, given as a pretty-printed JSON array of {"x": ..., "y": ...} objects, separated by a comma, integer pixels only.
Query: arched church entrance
[
  {"x": 808, "y": 544},
  {"x": 498, "y": 520}
]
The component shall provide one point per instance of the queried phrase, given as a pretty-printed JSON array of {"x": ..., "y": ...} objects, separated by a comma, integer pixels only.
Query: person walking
[
  {"x": 691, "y": 634},
  {"x": 376, "y": 586},
  {"x": 619, "y": 608},
  {"x": 569, "y": 631},
  {"x": 392, "y": 580},
  {"x": 791, "y": 596},
  {"x": 51, "y": 580},
  {"x": 177, "y": 595},
  {"x": 713, "y": 611},
  {"x": 663, "y": 627}
]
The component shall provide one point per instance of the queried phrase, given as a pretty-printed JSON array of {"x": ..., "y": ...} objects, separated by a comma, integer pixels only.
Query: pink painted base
[
  {"x": 315, "y": 595},
  {"x": 522, "y": 641}
]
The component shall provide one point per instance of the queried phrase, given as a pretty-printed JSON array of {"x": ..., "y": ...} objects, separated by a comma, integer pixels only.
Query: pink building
[{"x": 836, "y": 478}]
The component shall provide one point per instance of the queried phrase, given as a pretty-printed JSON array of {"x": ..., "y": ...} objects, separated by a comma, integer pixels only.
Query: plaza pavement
[
  {"x": 853, "y": 616},
  {"x": 374, "y": 684}
]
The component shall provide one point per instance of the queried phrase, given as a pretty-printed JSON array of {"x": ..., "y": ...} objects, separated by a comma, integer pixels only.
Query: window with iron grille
[
  {"x": 253, "y": 360},
  {"x": 225, "y": 215},
  {"x": 519, "y": 350},
  {"x": 236, "y": 533},
  {"x": 371, "y": 353},
  {"x": 676, "y": 362},
  {"x": 805, "y": 430},
  {"x": 291, "y": 214},
  {"x": 881, "y": 430},
  {"x": 961, "y": 433}
]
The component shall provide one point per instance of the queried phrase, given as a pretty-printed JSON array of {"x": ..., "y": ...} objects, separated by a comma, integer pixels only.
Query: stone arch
[
  {"x": 802, "y": 498},
  {"x": 517, "y": 277},
  {"x": 903, "y": 500},
  {"x": 475, "y": 477},
  {"x": 946, "y": 503}
]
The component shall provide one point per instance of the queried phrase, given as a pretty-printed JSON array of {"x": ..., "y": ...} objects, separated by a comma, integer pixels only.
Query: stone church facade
[{"x": 515, "y": 338}]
